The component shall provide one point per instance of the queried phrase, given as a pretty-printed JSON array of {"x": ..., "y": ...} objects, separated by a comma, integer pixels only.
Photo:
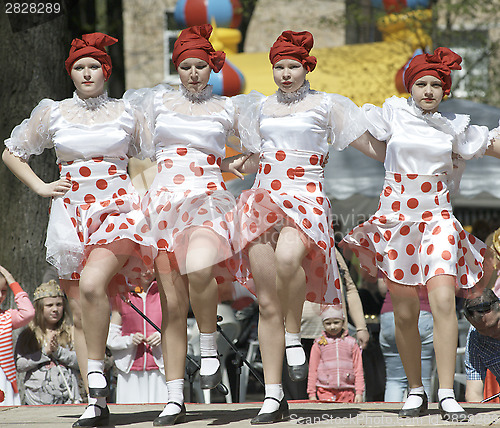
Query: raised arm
[
  {"x": 370, "y": 146},
  {"x": 23, "y": 171}
]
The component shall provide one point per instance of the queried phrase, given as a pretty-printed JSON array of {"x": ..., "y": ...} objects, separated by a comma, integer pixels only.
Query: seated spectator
[
  {"x": 44, "y": 351},
  {"x": 135, "y": 346},
  {"x": 11, "y": 319},
  {"x": 335, "y": 364},
  {"x": 482, "y": 351}
]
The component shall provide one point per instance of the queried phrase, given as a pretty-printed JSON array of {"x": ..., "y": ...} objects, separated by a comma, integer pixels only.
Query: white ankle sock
[
  {"x": 449, "y": 405},
  {"x": 96, "y": 380},
  {"x": 275, "y": 391},
  {"x": 208, "y": 348},
  {"x": 93, "y": 411},
  {"x": 414, "y": 401},
  {"x": 294, "y": 356},
  {"x": 175, "y": 390}
]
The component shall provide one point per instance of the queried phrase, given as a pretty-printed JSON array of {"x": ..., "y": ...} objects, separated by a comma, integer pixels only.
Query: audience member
[
  {"x": 482, "y": 351},
  {"x": 135, "y": 346},
  {"x": 44, "y": 351},
  {"x": 335, "y": 364}
]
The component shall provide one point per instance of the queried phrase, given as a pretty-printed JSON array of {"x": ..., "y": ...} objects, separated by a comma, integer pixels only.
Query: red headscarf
[
  {"x": 294, "y": 45},
  {"x": 193, "y": 42},
  {"x": 91, "y": 45},
  {"x": 439, "y": 65}
]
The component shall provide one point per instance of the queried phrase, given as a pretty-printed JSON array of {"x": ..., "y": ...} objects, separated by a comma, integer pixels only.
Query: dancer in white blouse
[
  {"x": 189, "y": 209},
  {"x": 413, "y": 238},
  {"x": 96, "y": 228},
  {"x": 286, "y": 232}
]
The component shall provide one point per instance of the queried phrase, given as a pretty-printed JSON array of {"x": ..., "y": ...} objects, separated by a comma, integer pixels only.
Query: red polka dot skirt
[
  {"x": 189, "y": 193},
  {"x": 288, "y": 190},
  {"x": 414, "y": 236},
  {"x": 102, "y": 207}
]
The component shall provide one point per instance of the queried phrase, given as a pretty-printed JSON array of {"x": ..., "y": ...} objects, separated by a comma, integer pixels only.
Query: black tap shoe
[
  {"x": 416, "y": 411},
  {"x": 96, "y": 421},
  {"x": 297, "y": 373},
  {"x": 462, "y": 416},
  {"x": 282, "y": 414},
  {"x": 211, "y": 381},
  {"x": 169, "y": 420},
  {"x": 99, "y": 392}
]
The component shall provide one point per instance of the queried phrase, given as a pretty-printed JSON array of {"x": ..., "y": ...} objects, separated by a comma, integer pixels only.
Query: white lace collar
[
  {"x": 197, "y": 97},
  {"x": 93, "y": 103},
  {"x": 293, "y": 97},
  {"x": 451, "y": 123}
]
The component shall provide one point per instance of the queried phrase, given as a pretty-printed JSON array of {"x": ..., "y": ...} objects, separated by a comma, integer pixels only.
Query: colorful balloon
[{"x": 226, "y": 13}]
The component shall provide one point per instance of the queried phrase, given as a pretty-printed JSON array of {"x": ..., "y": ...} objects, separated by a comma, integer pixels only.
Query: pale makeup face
[
  {"x": 52, "y": 310},
  {"x": 4, "y": 287},
  {"x": 88, "y": 77},
  {"x": 194, "y": 74},
  {"x": 427, "y": 92},
  {"x": 333, "y": 326},
  {"x": 289, "y": 75}
]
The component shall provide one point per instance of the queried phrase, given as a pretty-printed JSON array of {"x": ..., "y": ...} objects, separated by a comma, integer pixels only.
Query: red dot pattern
[
  {"x": 413, "y": 236},
  {"x": 288, "y": 192},
  {"x": 102, "y": 207}
]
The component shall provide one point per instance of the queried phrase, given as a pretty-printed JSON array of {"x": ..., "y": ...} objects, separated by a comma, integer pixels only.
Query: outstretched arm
[
  {"x": 370, "y": 146},
  {"x": 23, "y": 171}
]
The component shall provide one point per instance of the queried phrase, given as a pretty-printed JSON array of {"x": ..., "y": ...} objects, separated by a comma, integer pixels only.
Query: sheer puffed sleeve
[
  {"x": 141, "y": 145},
  {"x": 144, "y": 100},
  {"x": 346, "y": 121},
  {"x": 32, "y": 136},
  {"x": 248, "y": 109},
  {"x": 378, "y": 120},
  {"x": 472, "y": 142}
]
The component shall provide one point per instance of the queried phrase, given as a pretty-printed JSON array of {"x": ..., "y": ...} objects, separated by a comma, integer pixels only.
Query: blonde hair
[{"x": 33, "y": 336}]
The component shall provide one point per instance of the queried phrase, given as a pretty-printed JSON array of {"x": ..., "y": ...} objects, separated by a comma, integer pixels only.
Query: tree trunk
[{"x": 32, "y": 63}]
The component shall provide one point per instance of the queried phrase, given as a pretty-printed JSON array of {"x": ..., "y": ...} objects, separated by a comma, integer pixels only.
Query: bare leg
[
  {"x": 203, "y": 290},
  {"x": 174, "y": 297},
  {"x": 102, "y": 264},
  {"x": 442, "y": 301},
  {"x": 73, "y": 293},
  {"x": 271, "y": 327},
  {"x": 406, "y": 312},
  {"x": 290, "y": 277}
]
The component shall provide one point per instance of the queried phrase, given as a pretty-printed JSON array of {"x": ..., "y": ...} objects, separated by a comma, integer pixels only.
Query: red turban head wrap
[
  {"x": 91, "y": 45},
  {"x": 439, "y": 65},
  {"x": 193, "y": 42},
  {"x": 294, "y": 45}
]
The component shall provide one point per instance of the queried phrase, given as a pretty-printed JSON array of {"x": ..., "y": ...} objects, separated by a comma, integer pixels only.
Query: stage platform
[{"x": 239, "y": 415}]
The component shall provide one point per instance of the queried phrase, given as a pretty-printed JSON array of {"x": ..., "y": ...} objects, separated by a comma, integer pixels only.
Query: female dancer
[
  {"x": 189, "y": 208},
  {"x": 285, "y": 217},
  {"x": 413, "y": 238},
  {"x": 95, "y": 224}
]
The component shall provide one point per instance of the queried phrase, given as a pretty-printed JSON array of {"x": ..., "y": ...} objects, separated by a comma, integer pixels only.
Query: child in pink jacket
[{"x": 335, "y": 364}]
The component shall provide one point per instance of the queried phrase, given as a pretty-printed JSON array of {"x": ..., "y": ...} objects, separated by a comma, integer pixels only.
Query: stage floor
[{"x": 239, "y": 415}]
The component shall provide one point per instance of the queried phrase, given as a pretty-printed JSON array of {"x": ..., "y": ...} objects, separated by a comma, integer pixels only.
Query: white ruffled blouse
[{"x": 424, "y": 143}]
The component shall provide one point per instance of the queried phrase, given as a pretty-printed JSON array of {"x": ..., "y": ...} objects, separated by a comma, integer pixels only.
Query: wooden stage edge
[{"x": 239, "y": 415}]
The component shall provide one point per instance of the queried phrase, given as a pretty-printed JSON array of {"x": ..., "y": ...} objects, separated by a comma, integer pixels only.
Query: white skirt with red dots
[
  {"x": 102, "y": 207},
  {"x": 288, "y": 191},
  {"x": 414, "y": 235},
  {"x": 189, "y": 193}
]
